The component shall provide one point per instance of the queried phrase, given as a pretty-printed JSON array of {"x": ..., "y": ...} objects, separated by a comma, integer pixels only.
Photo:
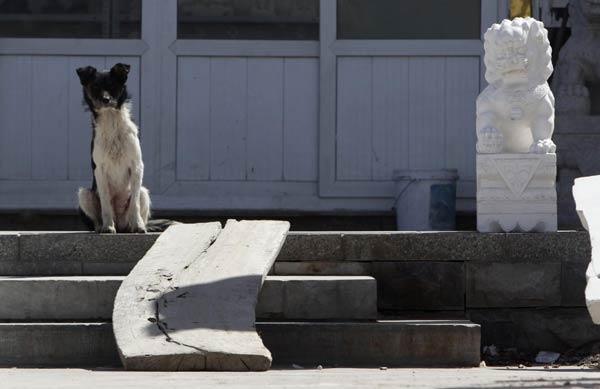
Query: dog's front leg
[
  {"x": 136, "y": 223},
  {"x": 108, "y": 219}
]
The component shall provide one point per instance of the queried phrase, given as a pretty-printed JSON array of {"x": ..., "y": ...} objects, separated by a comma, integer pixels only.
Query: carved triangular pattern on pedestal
[{"x": 517, "y": 173}]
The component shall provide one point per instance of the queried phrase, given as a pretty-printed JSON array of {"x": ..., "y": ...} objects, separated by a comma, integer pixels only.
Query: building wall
[{"x": 246, "y": 125}]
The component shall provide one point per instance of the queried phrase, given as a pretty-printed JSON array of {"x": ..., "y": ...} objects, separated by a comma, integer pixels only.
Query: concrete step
[
  {"x": 332, "y": 253},
  {"x": 345, "y": 344},
  {"x": 282, "y": 297}
]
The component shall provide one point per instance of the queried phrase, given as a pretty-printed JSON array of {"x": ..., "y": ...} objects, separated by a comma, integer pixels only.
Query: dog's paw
[
  {"x": 136, "y": 224},
  {"x": 139, "y": 230},
  {"x": 137, "y": 227},
  {"x": 108, "y": 230}
]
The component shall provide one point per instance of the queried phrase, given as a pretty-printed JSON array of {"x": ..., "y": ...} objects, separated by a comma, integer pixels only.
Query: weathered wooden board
[{"x": 190, "y": 305}]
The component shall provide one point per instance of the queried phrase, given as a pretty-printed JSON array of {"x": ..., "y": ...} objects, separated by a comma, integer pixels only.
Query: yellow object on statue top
[{"x": 520, "y": 8}]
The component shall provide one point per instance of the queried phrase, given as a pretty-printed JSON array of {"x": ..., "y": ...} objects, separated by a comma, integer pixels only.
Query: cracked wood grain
[{"x": 189, "y": 304}]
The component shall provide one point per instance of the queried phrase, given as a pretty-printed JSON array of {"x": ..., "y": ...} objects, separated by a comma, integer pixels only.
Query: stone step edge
[
  {"x": 392, "y": 343},
  {"x": 405, "y": 322},
  {"x": 283, "y": 297},
  {"x": 77, "y": 246},
  {"x": 91, "y": 278}
]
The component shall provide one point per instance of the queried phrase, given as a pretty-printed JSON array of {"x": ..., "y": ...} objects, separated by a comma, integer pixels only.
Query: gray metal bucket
[{"x": 426, "y": 199}]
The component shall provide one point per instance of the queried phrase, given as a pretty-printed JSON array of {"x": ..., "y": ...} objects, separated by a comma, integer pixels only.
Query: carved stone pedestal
[{"x": 516, "y": 192}]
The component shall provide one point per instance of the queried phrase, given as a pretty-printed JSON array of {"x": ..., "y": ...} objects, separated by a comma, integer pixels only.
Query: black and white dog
[{"x": 117, "y": 201}]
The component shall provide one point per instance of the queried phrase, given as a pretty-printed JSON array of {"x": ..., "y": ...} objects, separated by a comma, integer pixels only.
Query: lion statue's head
[{"x": 517, "y": 49}]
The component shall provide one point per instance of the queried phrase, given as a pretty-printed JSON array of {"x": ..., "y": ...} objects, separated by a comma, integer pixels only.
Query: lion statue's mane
[{"x": 515, "y": 113}]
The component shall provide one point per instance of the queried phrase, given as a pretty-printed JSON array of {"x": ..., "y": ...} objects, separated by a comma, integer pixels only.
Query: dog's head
[{"x": 104, "y": 89}]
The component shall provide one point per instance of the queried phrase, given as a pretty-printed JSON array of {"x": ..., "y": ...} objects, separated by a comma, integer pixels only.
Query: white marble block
[
  {"x": 516, "y": 192},
  {"x": 586, "y": 192},
  {"x": 516, "y": 160}
]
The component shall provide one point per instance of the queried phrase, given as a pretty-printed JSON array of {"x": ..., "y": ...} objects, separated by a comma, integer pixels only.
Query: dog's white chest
[
  {"x": 116, "y": 146},
  {"x": 116, "y": 139}
]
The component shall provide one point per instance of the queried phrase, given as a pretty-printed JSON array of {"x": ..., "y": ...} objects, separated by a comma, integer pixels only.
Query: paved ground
[{"x": 535, "y": 377}]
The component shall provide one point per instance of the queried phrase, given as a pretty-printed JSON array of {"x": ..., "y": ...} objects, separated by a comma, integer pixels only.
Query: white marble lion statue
[{"x": 515, "y": 113}]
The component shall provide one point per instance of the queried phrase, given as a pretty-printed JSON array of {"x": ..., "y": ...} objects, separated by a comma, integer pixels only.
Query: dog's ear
[
  {"x": 120, "y": 71},
  {"x": 86, "y": 74}
]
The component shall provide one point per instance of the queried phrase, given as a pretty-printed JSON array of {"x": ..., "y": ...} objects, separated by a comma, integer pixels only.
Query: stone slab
[
  {"x": 417, "y": 285},
  {"x": 322, "y": 268},
  {"x": 532, "y": 330},
  {"x": 383, "y": 343},
  {"x": 318, "y": 298},
  {"x": 189, "y": 304},
  {"x": 106, "y": 268},
  {"x": 513, "y": 284},
  {"x": 559, "y": 246},
  {"x": 282, "y": 297},
  {"x": 369, "y": 344},
  {"x": 84, "y": 247},
  {"x": 573, "y": 284},
  {"x": 410, "y": 246},
  {"x": 9, "y": 247},
  {"x": 57, "y": 344},
  {"x": 41, "y": 268},
  {"x": 312, "y": 246},
  {"x": 57, "y": 298},
  {"x": 91, "y": 251}
]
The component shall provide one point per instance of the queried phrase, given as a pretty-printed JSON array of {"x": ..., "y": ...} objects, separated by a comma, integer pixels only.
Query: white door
[
  {"x": 249, "y": 105},
  {"x": 239, "y": 105},
  {"x": 398, "y": 87}
]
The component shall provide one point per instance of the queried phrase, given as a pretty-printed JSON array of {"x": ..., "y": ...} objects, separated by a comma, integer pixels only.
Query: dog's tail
[{"x": 159, "y": 225}]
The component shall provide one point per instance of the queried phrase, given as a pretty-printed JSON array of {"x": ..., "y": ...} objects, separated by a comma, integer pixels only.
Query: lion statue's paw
[
  {"x": 491, "y": 140},
  {"x": 543, "y": 146}
]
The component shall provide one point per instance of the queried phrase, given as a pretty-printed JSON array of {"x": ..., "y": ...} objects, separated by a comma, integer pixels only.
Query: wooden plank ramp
[{"x": 189, "y": 303}]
